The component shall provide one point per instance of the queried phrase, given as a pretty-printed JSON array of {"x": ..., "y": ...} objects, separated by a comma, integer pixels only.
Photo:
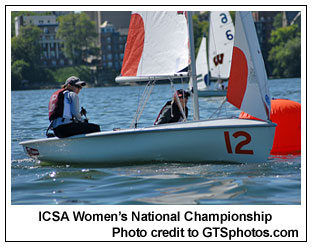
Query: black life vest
[
  {"x": 175, "y": 113},
  {"x": 56, "y": 105}
]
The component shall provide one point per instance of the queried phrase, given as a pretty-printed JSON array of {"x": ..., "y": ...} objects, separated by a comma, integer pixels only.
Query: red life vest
[{"x": 56, "y": 105}]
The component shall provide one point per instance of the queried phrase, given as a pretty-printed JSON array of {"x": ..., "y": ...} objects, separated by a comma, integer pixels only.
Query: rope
[
  {"x": 145, "y": 96},
  {"x": 178, "y": 101},
  {"x": 219, "y": 108}
]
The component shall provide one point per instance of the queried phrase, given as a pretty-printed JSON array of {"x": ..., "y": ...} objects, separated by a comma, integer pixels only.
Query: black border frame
[{"x": 5, "y": 182}]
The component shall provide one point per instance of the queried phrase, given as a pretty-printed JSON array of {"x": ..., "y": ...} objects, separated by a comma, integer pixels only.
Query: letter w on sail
[{"x": 218, "y": 59}]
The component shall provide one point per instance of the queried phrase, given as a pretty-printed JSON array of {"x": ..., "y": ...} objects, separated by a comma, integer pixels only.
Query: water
[{"x": 277, "y": 181}]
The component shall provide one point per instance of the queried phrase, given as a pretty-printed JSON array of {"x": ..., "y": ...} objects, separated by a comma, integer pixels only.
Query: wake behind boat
[{"x": 157, "y": 45}]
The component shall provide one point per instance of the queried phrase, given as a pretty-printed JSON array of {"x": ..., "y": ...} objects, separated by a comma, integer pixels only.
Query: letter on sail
[{"x": 221, "y": 37}]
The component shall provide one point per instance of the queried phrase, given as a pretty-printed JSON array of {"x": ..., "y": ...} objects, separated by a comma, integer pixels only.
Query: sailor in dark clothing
[{"x": 172, "y": 111}]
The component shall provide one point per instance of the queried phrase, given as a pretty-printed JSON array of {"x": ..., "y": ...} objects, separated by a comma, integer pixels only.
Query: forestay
[
  {"x": 247, "y": 88},
  {"x": 157, "y": 44},
  {"x": 221, "y": 39}
]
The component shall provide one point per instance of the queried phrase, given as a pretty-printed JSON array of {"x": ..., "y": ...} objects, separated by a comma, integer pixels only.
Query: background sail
[
  {"x": 157, "y": 44},
  {"x": 221, "y": 39},
  {"x": 202, "y": 65},
  {"x": 247, "y": 88}
]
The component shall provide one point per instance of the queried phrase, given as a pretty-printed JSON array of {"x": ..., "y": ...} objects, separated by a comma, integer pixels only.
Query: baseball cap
[
  {"x": 181, "y": 93},
  {"x": 75, "y": 81}
]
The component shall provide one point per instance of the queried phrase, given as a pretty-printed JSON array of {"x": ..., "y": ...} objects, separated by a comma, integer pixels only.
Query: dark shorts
[{"x": 72, "y": 129}]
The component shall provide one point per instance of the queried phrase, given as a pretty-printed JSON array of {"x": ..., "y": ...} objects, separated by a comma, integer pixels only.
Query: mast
[
  {"x": 192, "y": 71},
  {"x": 208, "y": 47}
]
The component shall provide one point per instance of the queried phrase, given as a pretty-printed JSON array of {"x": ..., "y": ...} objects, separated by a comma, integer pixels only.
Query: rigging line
[
  {"x": 147, "y": 92},
  {"x": 226, "y": 110},
  {"x": 219, "y": 108},
  {"x": 146, "y": 98},
  {"x": 182, "y": 83},
  {"x": 134, "y": 120},
  {"x": 178, "y": 100}
]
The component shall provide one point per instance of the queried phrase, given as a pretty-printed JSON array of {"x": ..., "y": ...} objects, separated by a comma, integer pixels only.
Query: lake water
[{"x": 278, "y": 181}]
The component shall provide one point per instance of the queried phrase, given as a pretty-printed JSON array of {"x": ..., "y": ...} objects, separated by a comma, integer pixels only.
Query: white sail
[
  {"x": 221, "y": 39},
  {"x": 247, "y": 88},
  {"x": 157, "y": 44},
  {"x": 202, "y": 66}
]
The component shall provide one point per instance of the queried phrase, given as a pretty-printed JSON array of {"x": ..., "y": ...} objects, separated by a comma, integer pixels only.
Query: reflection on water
[
  {"x": 160, "y": 184},
  {"x": 193, "y": 193}
]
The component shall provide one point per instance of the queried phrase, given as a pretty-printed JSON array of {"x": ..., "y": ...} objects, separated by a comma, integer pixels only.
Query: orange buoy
[{"x": 287, "y": 115}]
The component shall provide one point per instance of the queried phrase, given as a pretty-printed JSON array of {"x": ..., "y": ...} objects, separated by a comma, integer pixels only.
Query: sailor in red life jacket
[{"x": 66, "y": 120}]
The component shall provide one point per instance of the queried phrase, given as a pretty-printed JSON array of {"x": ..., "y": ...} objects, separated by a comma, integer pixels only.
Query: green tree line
[
  {"x": 285, "y": 52},
  {"x": 79, "y": 35},
  {"x": 284, "y": 57}
]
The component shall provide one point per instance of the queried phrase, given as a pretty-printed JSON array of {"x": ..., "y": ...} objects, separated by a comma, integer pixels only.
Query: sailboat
[
  {"x": 221, "y": 40},
  {"x": 156, "y": 49}
]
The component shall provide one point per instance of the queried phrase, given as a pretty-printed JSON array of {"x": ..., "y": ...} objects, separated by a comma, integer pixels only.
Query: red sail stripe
[
  {"x": 238, "y": 78},
  {"x": 134, "y": 47}
]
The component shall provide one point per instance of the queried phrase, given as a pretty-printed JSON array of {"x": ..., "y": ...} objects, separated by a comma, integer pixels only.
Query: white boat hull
[
  {"x": 211, "y": 93},
  {"x": 225, "y": 140}
]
